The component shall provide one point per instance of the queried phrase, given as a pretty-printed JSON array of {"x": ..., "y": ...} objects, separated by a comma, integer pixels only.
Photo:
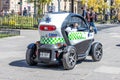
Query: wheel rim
[
  {"x": 33, "y": 57},
  {"x": 98, "y": 53},
  {"x": 72, "y": 58}
]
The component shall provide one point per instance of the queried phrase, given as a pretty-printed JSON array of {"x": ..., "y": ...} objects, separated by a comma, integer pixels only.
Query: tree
[
  {"x": 117, "y": 4},
  {"x": 41, "y": 5},
  {"x": 98, "y": 5}
]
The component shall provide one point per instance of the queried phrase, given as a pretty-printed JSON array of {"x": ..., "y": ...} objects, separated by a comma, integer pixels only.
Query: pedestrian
[
  {"x": 114, "y": 16},
  {"x": 1, "y": 13},
  {"x": 25, "y": 12},
  {"x": 12, "y": 12},
  {"x": 83, "y": 12},
  {"x": 51, "y": 8},
  {"x": 119, "y": 16},
  {"x": 88, "y": 15},
  {"x": 92, "y": 16},
  {"x": 96, "y": 15}
]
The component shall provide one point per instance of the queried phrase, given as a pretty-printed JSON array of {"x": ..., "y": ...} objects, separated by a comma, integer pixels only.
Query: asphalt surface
[{"x": 14, "y": 67}]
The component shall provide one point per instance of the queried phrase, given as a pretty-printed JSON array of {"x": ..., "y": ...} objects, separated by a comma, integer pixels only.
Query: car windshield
[{"x": 76, "y": 20}]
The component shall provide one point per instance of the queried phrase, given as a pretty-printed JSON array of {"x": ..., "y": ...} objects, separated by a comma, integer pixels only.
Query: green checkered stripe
[
  {"x": 76, "y": 35},
  {"x": 51, "y": 40}
]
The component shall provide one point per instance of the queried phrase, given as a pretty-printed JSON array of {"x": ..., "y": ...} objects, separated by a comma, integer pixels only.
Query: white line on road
[
  {"x": 15, "y": 37},
  {"x": 108, "y": 70}
]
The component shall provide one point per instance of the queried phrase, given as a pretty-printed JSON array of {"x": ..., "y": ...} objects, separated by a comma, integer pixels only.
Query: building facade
[
  {"x": 16, "y": 5},
  {"x": 65, "y": 5},
  {"x": 4, "y": 4}
]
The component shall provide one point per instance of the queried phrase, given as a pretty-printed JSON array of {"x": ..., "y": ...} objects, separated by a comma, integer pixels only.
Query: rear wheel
[
  {"x": 96, "y": 52},
  {"x": 30, "y": 56},
  {"x": 69, "y": 59}
]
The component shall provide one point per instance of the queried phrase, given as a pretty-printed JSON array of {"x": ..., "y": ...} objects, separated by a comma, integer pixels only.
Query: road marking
[
  {"x": 108, "y": 70},
  {"x": 115, "y": 35},
  {"x": 14, "y": 37}
]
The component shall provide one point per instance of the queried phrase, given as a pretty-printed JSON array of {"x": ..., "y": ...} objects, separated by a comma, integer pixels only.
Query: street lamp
[
  {"x": 72, "y": 6},
  {"x": 59, "y": 5},
  {"x": 35, "y": 8},
  {"x": 111, "y": 3},
  {"x": 20, "y": 3}
]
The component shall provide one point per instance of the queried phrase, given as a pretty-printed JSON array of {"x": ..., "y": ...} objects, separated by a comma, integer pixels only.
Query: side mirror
[{"x": 91, "y": 29}]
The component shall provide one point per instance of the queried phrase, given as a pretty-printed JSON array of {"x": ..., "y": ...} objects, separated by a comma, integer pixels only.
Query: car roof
[
  {"x": 64, "y": 13},
  {"x": 56, "y": 18}
]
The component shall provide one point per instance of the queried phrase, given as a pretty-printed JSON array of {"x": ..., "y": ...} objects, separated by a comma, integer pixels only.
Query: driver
[{"x": 73, "y": 29}]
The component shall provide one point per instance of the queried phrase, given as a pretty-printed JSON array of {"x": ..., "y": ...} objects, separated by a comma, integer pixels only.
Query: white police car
[{"x": 58, "y": 46}]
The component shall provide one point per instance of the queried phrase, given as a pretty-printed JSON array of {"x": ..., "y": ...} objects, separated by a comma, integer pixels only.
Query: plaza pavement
[{"x": 14, "y": 67}]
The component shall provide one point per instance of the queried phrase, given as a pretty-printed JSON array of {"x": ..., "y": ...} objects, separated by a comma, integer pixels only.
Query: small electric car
[{"x": 56, "y": 45}]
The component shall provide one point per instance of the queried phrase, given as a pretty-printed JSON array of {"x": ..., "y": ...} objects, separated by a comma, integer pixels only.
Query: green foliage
[
  {"x": 12, "y": 23},
  {"x": 40, "y": 4},
  {"x": 6, "y": 35},
  {"x": 23, "y": 22},
  {"x": 44, "y": 1}
]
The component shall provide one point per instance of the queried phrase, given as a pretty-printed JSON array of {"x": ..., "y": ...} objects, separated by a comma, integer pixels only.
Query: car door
[{"x": 80, "y": 39}]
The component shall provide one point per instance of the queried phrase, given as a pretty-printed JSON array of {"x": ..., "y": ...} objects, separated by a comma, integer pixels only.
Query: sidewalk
[
  {"x": 106, "y": 26},
  {"x": 16, "y": 45},
  {"x": 13, "y": 65}
]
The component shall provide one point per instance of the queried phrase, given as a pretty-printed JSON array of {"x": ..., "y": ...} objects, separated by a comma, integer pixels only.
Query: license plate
[{"x": 44, "y": 55}]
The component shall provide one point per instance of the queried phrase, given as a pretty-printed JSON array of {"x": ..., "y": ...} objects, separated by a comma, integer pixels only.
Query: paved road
[{"x": 14, "y": 67}]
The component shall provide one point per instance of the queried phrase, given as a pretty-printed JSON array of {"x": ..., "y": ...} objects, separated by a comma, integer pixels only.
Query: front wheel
[
  {"x": 69, "y": 59},
  {"x": 96, "y": 51},
  {"x": 30, "y": 56}
]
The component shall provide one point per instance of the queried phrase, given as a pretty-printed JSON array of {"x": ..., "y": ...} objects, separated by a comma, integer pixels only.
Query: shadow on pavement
[
  {"x": 58, "y": 67},
  {"x": 22, "y": 63},
  {"x": 86, "y": 60},
  {"x": 118, "y": 45}
]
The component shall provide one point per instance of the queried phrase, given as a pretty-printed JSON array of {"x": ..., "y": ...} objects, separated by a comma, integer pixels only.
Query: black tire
[
  {"x": 96, "y": 51},
  {"x": 30, "y": 56},
  {"x": 69, "y": 59}
]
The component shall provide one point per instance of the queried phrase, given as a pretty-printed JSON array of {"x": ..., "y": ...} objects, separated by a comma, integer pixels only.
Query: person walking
[
  {"x": 119, "y": 16},
  {"x": 88, "y": 15},
  {"x": 83, "y": 12},
  {"x": 51, "y": 8},
  {"x": 25, "y": 12},
  {"x": 92, "y": 15}
]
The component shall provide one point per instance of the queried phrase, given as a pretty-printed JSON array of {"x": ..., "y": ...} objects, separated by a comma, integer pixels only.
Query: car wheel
[
  {"x": 30, "y": 56},
  {"x": 96, "y": 51},
  {"x": 69, "y": 59}
]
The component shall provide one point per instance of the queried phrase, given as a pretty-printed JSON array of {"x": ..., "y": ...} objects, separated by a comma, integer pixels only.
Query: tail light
[{"x": 47, "y": 27}]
